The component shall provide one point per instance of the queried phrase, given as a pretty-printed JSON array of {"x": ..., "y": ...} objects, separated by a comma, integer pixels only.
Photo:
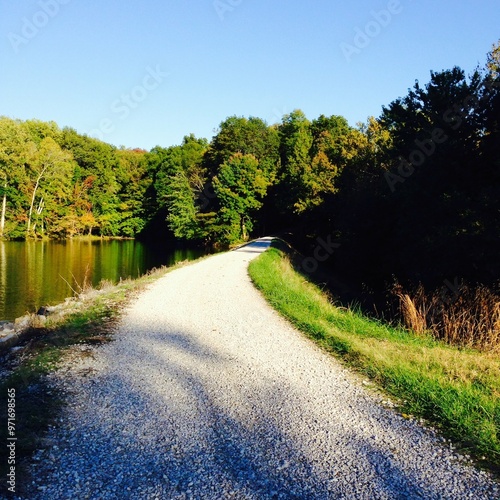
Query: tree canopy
[{"x": 413, "y": 193}]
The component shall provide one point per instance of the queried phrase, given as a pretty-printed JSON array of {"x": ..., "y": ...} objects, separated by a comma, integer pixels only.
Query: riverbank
[
  {"x": 48, "y": 319},
  {"x": 455, "y": 389}
]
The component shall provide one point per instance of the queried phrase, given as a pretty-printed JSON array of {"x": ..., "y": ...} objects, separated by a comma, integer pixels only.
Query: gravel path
[{"x": 207, "y": 393}]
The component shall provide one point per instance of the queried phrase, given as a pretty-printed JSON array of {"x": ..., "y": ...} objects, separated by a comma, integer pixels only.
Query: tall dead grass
[{"x": 467, "y": 316}]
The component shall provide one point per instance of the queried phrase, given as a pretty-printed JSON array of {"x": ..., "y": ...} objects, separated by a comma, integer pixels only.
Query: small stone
[
  {"x": 21, "y": 323},
  {"x": 39, "y": 321},
  {"x": 42, "y": 311}
]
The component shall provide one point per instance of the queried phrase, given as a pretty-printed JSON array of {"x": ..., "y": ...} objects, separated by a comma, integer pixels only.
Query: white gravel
[{"x": 206, "y": 393}]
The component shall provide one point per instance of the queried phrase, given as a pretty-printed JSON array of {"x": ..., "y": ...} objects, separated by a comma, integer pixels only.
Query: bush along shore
[
  {"x": 453, "y": 388},
  {"x": 38, "y": 344}
]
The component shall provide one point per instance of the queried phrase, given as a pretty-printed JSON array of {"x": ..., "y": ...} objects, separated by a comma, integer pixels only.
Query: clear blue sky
[{"x": 88, "y": 64}]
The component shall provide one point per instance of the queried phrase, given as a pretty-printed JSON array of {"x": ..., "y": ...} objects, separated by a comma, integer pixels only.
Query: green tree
[
  {"x": 180, "y": 180},
  {"x": 192, "y": 154},
  {"x": 240, "y": 186},
  {"x": 296, "y": 141},
  {"x": 428, "y": 212},
  {"x": 15, "y": 146},
  {"x": 329, "y": 136},
  {"x": 493, "y": 62},
  {"x": 246, "y": 136},
  {"x": 182, "y": 213},
  {"x": 48, "y": 163},
  {"x": 133, "y": 183},
  {"x": 38, "y": 130},
  {"x": 332, "y": 147},
  {"x": 97, "y": 169}
]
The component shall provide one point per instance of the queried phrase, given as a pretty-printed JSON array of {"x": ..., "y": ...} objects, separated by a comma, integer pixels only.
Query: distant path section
[{"x": 208, "y": 393}]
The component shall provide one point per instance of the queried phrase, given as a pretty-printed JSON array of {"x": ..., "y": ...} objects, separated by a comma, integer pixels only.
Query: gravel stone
[{"x": 206, "y": 392}]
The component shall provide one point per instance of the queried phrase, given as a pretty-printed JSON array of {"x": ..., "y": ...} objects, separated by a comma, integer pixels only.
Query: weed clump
[{"x": 470, "y": 317}]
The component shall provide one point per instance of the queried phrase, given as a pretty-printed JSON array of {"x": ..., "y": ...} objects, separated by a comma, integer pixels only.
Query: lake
[{"x": 36, "y": 273}]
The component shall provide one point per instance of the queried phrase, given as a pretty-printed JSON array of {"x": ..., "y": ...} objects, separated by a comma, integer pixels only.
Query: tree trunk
[
  {"x": 243, "y": 230},
  {"x": 33, "y": 200},
  {"x": 4, "y": 208}
]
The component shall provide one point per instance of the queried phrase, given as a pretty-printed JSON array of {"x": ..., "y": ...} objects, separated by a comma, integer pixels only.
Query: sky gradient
[{"x": 146, "y": 73}]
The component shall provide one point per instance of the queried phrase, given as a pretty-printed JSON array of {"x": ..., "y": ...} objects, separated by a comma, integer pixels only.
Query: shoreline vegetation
[
  {"x": 454, "y": 389},
  {"x": 80, "y": 237}
]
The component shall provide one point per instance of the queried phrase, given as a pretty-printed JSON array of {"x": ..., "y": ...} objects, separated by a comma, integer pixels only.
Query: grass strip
[{"x": 457, "y": 390}]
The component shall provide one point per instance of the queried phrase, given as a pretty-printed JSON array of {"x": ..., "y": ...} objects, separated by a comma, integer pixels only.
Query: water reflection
[{"x": 36, "y": 273}]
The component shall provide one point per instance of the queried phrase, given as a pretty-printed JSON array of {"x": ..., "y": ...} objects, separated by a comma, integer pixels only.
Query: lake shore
[
  {"x": 36, "y": 274},
  {"x": 87, "y": 320},
  {"x": 211, "y": 372}
]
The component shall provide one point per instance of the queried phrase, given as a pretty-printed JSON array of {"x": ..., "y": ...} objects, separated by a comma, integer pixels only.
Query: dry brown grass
[
  {"x": 414, "y": 318},
  {"x": 468, "y": 317}
]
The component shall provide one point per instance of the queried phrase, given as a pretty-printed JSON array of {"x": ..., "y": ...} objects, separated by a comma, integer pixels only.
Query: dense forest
[{"x": 413, "y": 194}]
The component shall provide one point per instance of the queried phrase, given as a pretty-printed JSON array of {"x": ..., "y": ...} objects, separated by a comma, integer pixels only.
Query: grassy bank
[
  {"x": 37, "y": 404},
  {"x": 456, "y": 389}
]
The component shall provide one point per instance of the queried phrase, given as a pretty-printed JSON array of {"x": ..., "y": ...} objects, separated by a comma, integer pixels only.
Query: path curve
[{"x": 206, "y": 392}]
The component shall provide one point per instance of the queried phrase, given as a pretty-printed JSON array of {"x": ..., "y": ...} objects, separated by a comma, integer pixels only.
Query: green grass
[{"x": 456, "y": 389}]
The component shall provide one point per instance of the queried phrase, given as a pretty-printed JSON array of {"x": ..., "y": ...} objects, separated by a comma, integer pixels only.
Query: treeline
[
  {"x": 413, "y": 194},
  {"x": 60, "y": 184}
]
